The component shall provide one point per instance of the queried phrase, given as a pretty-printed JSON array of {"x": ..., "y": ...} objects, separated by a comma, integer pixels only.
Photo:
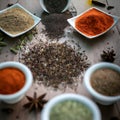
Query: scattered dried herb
[
  {"x": 2, "y": 42},
  {"x": 23, "y": 41},
  {"x": 55, "y": 63},
  {"x": 35, "y": 103},
  {"x": 108, "y": 55},
  {"x": 55, "y": 24},
  {"x": 55, "y": 6},
  {"x": 7, "y": 110},
  {"x": 98, "y": 3}
]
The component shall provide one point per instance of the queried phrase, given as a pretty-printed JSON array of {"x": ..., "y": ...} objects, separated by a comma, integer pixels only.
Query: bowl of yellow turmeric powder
[{"x": 15, "y": 81}]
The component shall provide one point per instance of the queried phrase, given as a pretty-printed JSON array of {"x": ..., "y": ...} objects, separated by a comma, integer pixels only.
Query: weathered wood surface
[{"x": 93, "y": 50}]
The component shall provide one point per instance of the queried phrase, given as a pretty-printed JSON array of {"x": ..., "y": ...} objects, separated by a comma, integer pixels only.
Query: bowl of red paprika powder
[
  {"x": 15, "y": 80},
  {"x": 93, "y": 22}
]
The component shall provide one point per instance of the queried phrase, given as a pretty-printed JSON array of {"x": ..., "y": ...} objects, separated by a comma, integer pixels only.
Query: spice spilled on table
[
  {"x": 55, "y": 24},
  {"x": 70, "y": 110},
  {"x": 54, "y": 63}
]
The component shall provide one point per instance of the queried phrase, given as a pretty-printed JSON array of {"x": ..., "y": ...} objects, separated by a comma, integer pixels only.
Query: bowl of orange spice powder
[
  {"x": 93, "y": 22},
  {"x": 15, "y": 80}
]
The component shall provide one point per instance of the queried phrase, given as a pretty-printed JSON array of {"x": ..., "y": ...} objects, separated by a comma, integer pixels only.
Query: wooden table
[{"x": 93, "y": 50}]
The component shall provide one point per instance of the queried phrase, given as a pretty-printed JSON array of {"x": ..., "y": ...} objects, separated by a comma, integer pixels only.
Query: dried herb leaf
[{"x": 2, "y": 44}]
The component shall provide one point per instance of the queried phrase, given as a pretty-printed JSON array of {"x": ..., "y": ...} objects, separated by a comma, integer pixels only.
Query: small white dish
[
  {"x": 72, "y": 20},
  {"x": 45, "y": 115},
  {"x": 100, "y": 98},
  {"x": 45, "y": 9},
  {"x": 16, "y": 97},
  {"x": 35, "y": 18}
]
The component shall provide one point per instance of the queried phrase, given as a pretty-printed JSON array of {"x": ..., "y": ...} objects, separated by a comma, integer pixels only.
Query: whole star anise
[
  {"x": 108, "y": 55},
  {"x": 35, "y": 103}
]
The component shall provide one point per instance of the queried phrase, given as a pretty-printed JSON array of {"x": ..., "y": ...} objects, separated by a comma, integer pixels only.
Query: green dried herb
[
  {"x": 2, "y": 44},
  {"x": 1, "y": 38},
  {"x": 23, "y": 40},
  {"x": 70, "y": 110}
]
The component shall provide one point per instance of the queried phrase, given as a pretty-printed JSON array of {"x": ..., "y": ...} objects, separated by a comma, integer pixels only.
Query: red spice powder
[
  {"x": 11, "y": 80},
  {"x": 93, "y": 22}
]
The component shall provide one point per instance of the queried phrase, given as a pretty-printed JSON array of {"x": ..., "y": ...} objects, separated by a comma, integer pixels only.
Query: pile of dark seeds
[
  {"x": 55, "y": 63},
  {"x": 55, "y": 24},
  {"x": 108, "y": 55},
  {"x": 55, "y": 6}
]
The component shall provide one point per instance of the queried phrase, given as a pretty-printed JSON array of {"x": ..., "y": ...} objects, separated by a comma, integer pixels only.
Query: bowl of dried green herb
[
  {"x": 55, "y": 6},
  {"x": 102, "y": 81},
  {"x": 70, "y": 107},
  {"x": 16, "y": 20}
]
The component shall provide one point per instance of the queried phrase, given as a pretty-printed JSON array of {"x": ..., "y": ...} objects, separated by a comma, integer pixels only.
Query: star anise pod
[
  {"x": 35, "y": 103},
  {"x": 108, "y": 56}
]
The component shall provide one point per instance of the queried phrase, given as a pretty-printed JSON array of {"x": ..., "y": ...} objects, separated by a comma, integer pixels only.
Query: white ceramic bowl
[
  {"x": 102, "y": 99},
  {"x": 72, "y": 20},
  {"x": 35, "y": 18},
  {"x": 44, "y": 7},
  {"x": 69, "y": 96},
  {"x": 16, "y": 97}
]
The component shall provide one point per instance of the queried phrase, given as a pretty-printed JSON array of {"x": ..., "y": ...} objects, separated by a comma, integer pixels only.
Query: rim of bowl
[
  {"x": 70, "y": 96},
  {"x": 27, "y": 73},
  {"x": 88, "y": 86},
  {"x": 45, "y": 9}
]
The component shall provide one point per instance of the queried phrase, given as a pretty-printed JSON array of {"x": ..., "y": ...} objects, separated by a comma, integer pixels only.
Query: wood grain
[{"x": 93, "y": 50}]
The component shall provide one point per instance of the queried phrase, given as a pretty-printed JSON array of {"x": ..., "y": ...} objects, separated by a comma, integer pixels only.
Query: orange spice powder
[
  {"x": 11, "y": 80},
  {"x": 93, "y": 22}
]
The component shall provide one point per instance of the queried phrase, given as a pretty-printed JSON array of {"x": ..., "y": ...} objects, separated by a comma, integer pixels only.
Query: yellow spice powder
[{"x": 15, "y": 20}]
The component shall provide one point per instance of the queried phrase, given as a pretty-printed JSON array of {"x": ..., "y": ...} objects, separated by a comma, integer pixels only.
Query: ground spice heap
[
  {"x": 106, "y": 81},
  {"x": 11, "y": 80},
  {"x": 55, "y": 63},
  {"x": 55, "y": 6},
  {"x": 15, "y": 20},
  {"x": 55, "y": 24},
  {"x": 93, "y": 22}
]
